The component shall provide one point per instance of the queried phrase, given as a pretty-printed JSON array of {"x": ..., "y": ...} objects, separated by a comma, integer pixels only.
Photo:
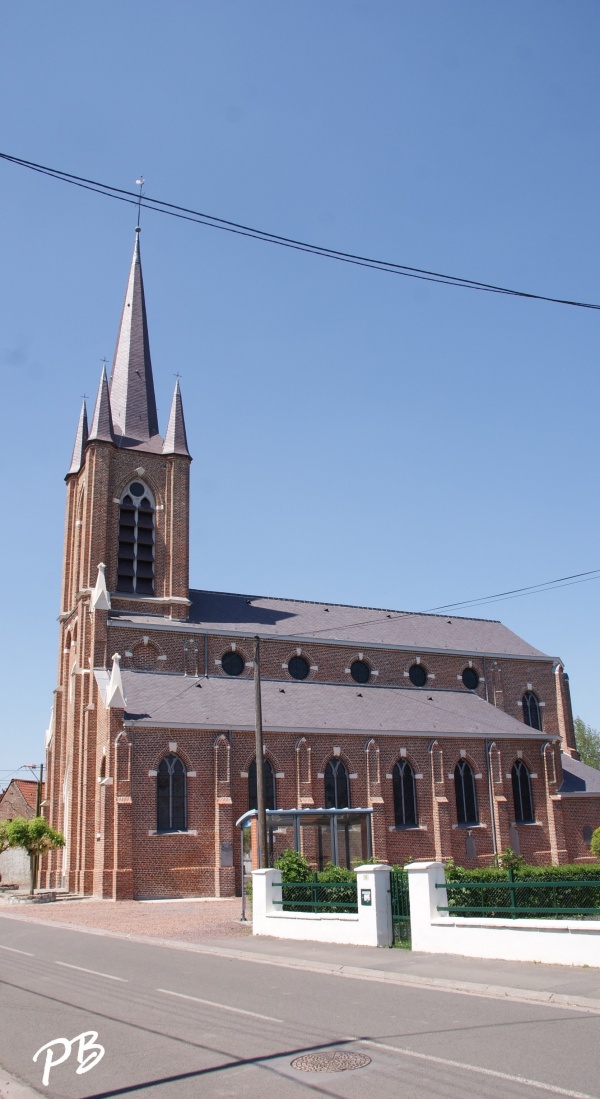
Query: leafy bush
[
  {"x": 336, "y": 873},
  {"x": 595, "y": 843},
  {"x": 301, "y": 885},
  {"x": 293, "y": 866},
  {"x": 509, "y": 860}
]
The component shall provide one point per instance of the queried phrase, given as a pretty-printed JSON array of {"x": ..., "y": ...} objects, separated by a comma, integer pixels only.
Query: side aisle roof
[{"x": 158, "y": 699}]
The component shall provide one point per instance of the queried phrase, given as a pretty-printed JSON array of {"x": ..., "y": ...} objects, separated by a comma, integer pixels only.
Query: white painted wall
[
  {"x": 14, "y": 868},
  {"x": 371, "y": 926},
  {"x": 564, "y": 942}
]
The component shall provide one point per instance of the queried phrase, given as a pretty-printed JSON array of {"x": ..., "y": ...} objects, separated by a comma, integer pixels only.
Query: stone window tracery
[
  {"x": 405, "y": 795},
  {"x": 532, "y": 715},
  {"x": 135, "y": 567},
  {"x": 522, "y": 795},
  {"x": 466, "y": 796},
  {"x": 270, "y": 786},
  {"x": 337, "y": 785},
  {"x": 171, "y": 795}
]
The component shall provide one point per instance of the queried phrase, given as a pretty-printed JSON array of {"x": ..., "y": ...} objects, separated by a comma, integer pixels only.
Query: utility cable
[
  {"x": 211, "y": 221},
  {"x": 513, "y": 593}
]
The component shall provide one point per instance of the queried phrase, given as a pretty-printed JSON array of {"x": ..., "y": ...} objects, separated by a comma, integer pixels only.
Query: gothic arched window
[
  {"x": 337, "y": 785},
  {"x": 171, "y": 795},
  {"x": 522, "y": 796},
  {"x": 270, "y": 793},
  {"x": 135, "y": 569},
  {"x": 405, "y": 795},
  {"x": 466, "y": 797},
  {"x": 531, "y": 710}
]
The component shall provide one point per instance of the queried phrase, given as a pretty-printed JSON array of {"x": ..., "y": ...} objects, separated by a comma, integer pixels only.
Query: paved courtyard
[{"x": 191, "y": 921}]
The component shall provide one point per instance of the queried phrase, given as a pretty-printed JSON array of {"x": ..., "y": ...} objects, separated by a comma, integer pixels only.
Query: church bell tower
[{"x": 126, "y": 550}]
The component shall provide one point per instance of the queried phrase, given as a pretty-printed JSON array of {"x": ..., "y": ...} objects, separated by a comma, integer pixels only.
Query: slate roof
[
  {"x": 578, "y": 778},
  {"x": 247, "y": 615},
  {"x": 154, "y": 698}
]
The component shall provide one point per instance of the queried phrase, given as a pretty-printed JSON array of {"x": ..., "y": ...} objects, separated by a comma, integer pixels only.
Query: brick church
[{"x": 453, "y": 734}]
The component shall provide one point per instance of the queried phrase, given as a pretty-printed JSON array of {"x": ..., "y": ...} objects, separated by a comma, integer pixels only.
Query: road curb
[{"x": 336, "y": 969}]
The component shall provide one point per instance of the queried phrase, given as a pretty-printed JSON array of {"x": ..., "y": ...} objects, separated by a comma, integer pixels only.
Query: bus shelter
[{"x": 340, "y": 836}]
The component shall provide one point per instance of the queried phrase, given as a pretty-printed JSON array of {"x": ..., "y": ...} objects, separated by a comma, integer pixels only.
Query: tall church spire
[
  {"x": 132, "y": 399},
  {"x": 176, "y": 438},
  {"x": 80, "y": 441}
]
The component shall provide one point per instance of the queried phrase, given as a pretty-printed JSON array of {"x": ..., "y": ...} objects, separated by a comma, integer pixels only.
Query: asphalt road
[{"x": 176, "y": 1023}]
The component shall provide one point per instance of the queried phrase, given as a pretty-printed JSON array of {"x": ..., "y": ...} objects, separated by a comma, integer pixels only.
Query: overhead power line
[
  {"x": 513, "y": 593},
  {"x": 161, "y": 206}
]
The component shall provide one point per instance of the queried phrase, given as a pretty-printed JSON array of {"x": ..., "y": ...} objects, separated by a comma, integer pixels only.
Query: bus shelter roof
[{"x": 278, "y": 817}]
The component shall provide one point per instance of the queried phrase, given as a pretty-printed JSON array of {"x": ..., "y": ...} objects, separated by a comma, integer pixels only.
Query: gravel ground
[{"x": 191, "y": 921}]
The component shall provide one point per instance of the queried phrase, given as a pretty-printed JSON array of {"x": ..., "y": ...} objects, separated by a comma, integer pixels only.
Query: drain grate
[{"x": 333, "y": 1061}]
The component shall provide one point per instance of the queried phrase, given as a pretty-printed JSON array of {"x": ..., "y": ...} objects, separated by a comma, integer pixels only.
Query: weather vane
[{"x": 140, "y": 183}]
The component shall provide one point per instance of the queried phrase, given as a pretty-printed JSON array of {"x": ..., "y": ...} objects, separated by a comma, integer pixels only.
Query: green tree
[
  {"x": 588, "y": 743},
  {"x": 35, "y": 836}
]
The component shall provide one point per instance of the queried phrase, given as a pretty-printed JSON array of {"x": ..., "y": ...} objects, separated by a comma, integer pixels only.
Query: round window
[
  {"x": 417, "y": 675},
  {"x": 136, "y": 489},
  {"x": 360, "y": 671},
  {"x": 298, "y": 667},
  {"x": 232, "y": 663},
  {"x": 470, "y": 679}
]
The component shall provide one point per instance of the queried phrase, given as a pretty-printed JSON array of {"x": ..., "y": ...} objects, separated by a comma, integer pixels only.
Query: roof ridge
[{"x": 347, "y": 606}]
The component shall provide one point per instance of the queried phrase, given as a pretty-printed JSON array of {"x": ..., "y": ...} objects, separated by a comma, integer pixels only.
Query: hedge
[{"x": 555, "y": 896}]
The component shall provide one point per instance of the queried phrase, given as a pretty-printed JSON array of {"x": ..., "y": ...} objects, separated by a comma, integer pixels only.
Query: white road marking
[
  {"x": 222, "y": 1007},
  {"x": 13, "y": 950},
  {"x": 478, "y": 1069},
  {"x": 94, "y": 972}
]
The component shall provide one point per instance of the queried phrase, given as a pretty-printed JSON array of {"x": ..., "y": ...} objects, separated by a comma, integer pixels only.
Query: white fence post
[
  {"x": 423, "y": 877},
  {"x": 374, "y": 904},
  {"x": 263, "y": 896}
]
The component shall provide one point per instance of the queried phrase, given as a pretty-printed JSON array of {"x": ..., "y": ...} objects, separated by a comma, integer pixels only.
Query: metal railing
[
  {"x": 317, "y": 896},
  {"x": 518, "y": 899},
  {"x": 400, "y": 902}
]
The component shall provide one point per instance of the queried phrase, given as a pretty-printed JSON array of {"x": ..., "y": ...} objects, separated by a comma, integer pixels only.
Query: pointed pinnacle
[
  {"x": 102, "y": 427},
  {"x": 176, "y": 438},
  {"x": 80, "y": 440}
]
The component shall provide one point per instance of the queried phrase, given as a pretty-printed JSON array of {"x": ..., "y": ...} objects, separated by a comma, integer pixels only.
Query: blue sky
[{"x": 358, "y": 437}]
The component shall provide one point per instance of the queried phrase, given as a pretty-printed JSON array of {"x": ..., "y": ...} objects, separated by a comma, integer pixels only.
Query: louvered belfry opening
[{"x": 135, "y": 570}]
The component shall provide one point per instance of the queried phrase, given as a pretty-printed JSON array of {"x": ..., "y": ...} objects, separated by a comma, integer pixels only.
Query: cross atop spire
[{"x": 132, "y": 399}]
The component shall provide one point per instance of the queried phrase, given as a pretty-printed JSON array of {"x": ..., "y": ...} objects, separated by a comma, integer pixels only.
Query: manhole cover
[{"x": 334, "y": 1061}]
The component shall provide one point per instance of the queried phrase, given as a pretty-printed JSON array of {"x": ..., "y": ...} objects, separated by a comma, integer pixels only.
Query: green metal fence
[
  {"x": 518, "y": 899},
  {"x": 317, "y": 896},
  {"x": 400, "y": 907}
]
